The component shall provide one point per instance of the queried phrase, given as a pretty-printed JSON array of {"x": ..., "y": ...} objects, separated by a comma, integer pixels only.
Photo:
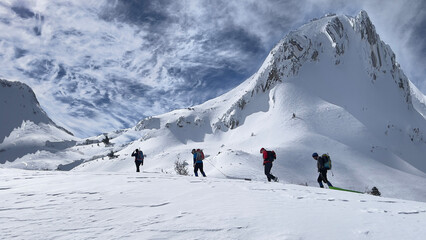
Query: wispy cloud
[{"x": 107, "y": 64}]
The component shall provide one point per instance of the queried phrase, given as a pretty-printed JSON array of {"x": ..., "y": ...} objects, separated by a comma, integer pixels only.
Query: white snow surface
[{"x": 111, "y": 205}]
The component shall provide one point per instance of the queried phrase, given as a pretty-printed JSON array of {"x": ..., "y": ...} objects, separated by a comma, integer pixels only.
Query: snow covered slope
[
  {"x": 25, "y": 127},
  {"x": 419, "y": 100},
  {"x": 350, "y": 99},
  {"x": 74, "y": 205}
]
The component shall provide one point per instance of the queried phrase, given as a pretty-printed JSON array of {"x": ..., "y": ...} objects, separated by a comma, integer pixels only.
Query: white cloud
[{"x": 106, "y": 58}]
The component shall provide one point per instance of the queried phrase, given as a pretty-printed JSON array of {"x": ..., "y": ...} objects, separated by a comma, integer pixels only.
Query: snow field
[{"x": 100, "y": 205}]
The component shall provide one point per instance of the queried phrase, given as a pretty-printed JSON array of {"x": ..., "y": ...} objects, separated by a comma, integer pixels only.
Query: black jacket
[{"x": 320, "y": 164}]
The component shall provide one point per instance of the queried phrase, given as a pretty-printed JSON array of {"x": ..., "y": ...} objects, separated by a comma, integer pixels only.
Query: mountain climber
[
  {"x": 198, "y": 157},
  {"x": 268, "y": 158},
  {"x": 138, "y": 154},
  {"x": 322, "y": 177}
]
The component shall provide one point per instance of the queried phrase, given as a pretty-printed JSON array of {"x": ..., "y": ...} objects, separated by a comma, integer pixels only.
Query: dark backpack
[
  {"x": 327, "y": 161},
  {"x": 271, "y": 156},
  {"x": 140, "y": 156}
]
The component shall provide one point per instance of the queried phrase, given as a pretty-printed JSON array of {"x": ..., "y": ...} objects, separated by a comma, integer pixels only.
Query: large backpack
[
  {"x": 140, "y": 155},
  {"x": 200, "y": 155},
  {"x": 327, "y": 161},
  {"x": 271, "y": 156}
]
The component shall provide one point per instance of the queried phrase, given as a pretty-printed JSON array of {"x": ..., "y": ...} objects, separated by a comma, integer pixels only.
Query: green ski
[{"x": 346, "y": 190}]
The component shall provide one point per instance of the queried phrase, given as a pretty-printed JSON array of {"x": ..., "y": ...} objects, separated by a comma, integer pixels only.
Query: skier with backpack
[
  {"x": 138, "y": 154},
  {"x": 268, "y": 158},
  {"x": 323, "y": 164},
  {"x": 198, "y": 157}
]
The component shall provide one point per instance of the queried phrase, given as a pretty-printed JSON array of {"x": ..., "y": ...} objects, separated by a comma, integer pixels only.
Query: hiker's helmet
[
  {"x": 261, "y": 150},
  {"x": 314, "y": 154}
]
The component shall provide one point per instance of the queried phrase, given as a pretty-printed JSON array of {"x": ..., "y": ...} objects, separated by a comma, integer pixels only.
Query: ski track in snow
[{"x": 70, "y": 205}]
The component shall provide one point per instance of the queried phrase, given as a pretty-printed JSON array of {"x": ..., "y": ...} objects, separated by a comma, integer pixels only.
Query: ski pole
[
  {"x": 247, "y": 179},
  {"x": 217, "y": 168}
]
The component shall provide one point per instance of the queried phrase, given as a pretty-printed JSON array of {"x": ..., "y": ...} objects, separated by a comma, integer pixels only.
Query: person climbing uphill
[
  {"x": 198, "y": 157},
  {"x": 322, "y": 169},
  {"x": 138, "y": 154},
  {"x": 268, "y": 158}
]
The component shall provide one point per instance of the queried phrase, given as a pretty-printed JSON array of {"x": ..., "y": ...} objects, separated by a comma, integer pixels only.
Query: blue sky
[{"x": 97, "y": 66}]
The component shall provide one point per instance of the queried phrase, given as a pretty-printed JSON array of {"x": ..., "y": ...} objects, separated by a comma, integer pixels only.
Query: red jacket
[{"x": 266, "y": 158}]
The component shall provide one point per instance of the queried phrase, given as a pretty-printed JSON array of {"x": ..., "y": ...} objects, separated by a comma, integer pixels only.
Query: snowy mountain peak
[
  {"x": 19, "y": 103},
  {"x": 26, "y": 128},
  {"x": 345, "y": 51},
  {"x": 330, "y": 39}
]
